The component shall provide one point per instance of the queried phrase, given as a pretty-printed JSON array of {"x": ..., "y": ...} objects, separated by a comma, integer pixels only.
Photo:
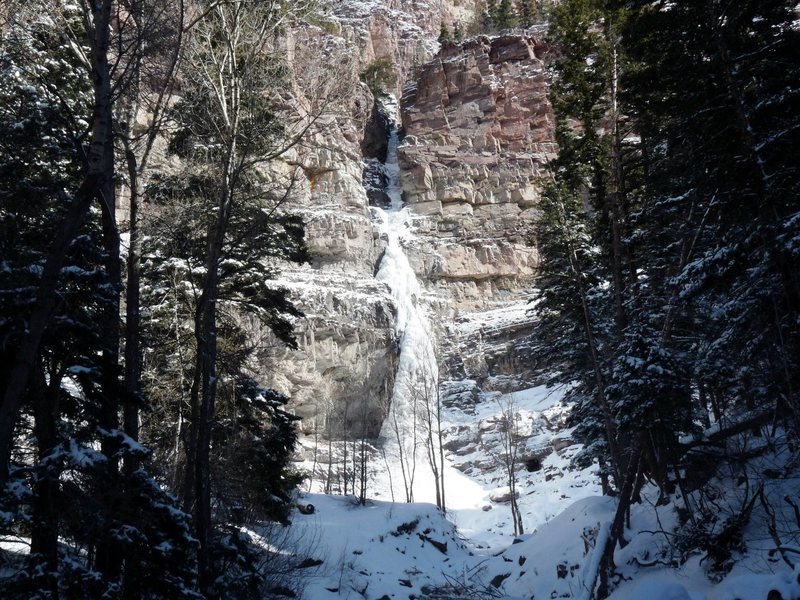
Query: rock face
[
  {"x": 479, "y": 132},
  {"x": 342, "y": 374},
  {"x": 492, "y": 347},
  {"x": 343, "y": 371}
]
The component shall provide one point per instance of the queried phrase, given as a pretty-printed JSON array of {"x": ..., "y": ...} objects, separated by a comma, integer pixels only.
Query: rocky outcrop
[
  {"x": 479, "y": 133},
  {"x": 400, "y": 31},
  {"x": 343, "y": 370},
  {"x": 492, "y": 348}
]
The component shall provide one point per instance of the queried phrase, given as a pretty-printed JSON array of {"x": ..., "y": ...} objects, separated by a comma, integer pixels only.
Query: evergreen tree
[
  {"x": 669, "y": 120},
  {"x": 67, "y": 491},
  {"x": 718, "y": 162},
  {"x": 444, "y": 35},
  {"x": 228, "y": 130},
  {"x": 505, "y": 16},
  {"x": 596, "y": 177},
  {"x": 526, "y": 12},
  {"x": 458, "y": 32}
]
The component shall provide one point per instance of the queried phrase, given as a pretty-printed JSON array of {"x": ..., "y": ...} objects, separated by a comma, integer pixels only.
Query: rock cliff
[
  {"x": 478, "y": 133},
  {"x": 347, "y": 352}
]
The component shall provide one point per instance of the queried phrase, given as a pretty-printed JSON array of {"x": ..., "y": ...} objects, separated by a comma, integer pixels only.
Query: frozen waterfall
[{"x": 407, "y": 425}]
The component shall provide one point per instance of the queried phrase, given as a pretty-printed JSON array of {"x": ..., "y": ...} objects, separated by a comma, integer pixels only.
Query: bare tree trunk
[
  {"x": 344, "y": 447},
  {"x": 137, "y": 151},
  {"x": 314, "y": 461},
  {"x": 329, "y": 479},
  {"x": 441, "y": 447},
  {"x": 45, "y": 518},
  {"x": 616, "y": 198},
  {"x": 206, "y": 367},
  {"x": 109, "y": 557},
  {"x": 401, "y": 456},
  {"x": 132, "y": 314},
  {"x": 363, "y": 458}
]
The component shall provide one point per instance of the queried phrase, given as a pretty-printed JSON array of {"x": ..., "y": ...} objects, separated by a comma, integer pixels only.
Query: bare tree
[
  {"x": 363, "y": 455},
  {"x": 148, "y": 38},
  {"x": 428, "y": 398},
  {"x": 510, "y": 438},
  {"x": 407, "y": 448}
]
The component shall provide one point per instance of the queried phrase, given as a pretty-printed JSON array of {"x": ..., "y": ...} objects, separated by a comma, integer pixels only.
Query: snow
[
  {"x": 397, "y": 550},
  {"x": 387, "y": 548},
  {"x": 658, "y": 589},
  {"x": 376, "y": 548},
  {"x": 503, "y": 317},
  {"x": 478, "y": 531}
]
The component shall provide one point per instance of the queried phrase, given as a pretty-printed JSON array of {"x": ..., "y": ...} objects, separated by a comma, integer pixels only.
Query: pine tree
[
  {"x": 444, "y": 35},
  {"x": 505, "y": 16},
  {"x": 667, "y": 117},
  {"x": 228, "y": 130},
  {"x": 596, "y": 178}
]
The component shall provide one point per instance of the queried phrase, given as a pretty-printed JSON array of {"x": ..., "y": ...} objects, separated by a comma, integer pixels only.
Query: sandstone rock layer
[{"x": 479, "y": 133}]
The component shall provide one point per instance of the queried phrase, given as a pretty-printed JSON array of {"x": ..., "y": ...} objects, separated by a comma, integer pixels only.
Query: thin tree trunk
[
  {"x": 616, "y": 200},
  {"x": 617, "y": 525},
  {"x": 45, "y": 519},
  {"x": 441, "y": 447},
  {"x": 207, "y": 369},
  {"x": 109, "y": 561},
  {"x": 132, "y": 354},
  {"x": 132, "y": 314},
  {"x": 608, "y": 419}
]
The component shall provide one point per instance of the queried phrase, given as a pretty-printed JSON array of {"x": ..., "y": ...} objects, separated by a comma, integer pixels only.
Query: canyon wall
[
  {"x": 478, "y": 133},
  {"x": 343, "y": 371}
]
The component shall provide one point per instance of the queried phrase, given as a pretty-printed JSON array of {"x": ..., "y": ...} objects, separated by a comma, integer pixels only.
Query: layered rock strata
[{"x": 479, "y": 134}]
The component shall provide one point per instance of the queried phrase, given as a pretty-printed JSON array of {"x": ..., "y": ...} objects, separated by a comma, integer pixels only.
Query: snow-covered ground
[
  {"x": 477, "y": 527},
  {"x": 388, "y": 550}
]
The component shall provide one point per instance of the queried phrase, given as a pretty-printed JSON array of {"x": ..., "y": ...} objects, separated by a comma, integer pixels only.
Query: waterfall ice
[{"x": 403, "y": 432}]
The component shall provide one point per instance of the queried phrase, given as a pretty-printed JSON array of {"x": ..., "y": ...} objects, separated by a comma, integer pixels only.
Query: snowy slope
[{"x": 391, "y": 550}]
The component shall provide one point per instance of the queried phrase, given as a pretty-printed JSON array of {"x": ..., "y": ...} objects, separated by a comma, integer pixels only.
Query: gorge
[
  {"x": 388, "y": 299},
  {"x": 470, "y": 161}
]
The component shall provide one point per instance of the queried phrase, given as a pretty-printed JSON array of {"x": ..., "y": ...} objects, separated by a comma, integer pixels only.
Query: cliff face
[
  {"x": 347, "y": 354},
  {"x": 478, "y": 131}
]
